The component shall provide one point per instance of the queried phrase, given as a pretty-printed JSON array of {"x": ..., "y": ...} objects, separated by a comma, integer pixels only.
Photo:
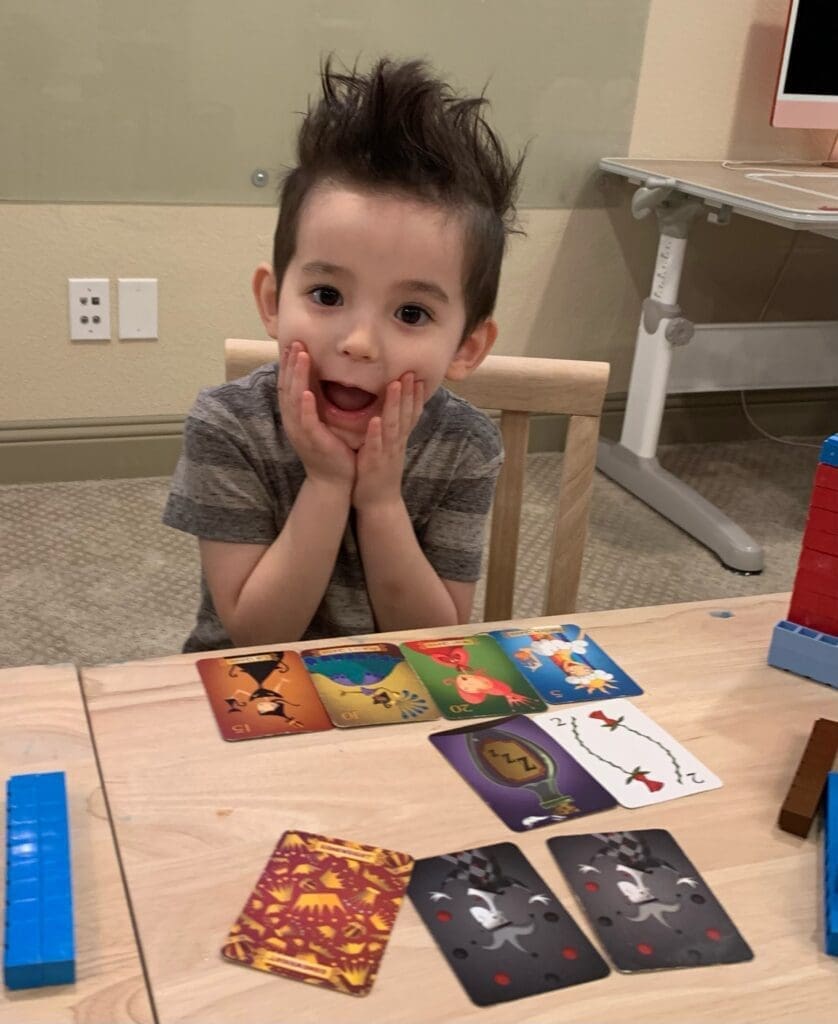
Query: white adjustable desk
[{"x": 801, "y": 197}]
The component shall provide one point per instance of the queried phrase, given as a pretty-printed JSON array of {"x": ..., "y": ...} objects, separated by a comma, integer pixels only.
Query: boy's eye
[
  {"x": 325, "y": 295},
  {"x": 413, "y": 315}
]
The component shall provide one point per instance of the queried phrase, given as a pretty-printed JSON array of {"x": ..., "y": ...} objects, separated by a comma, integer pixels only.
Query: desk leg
[
  {"x": 682, "y": 505},
  {"x": 632, "y": 462}
]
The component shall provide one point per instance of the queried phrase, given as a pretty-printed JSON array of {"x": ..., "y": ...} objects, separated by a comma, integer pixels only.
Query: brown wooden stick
[{"x": 803, "y": 798}]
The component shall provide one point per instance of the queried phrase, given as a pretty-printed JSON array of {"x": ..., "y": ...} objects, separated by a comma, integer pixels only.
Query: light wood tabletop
[
  {"x": 196, "y": 819},
  {"x": 44, "y": 729}
]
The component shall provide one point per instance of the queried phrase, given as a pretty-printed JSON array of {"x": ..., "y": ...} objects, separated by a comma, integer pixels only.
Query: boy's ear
[
  {"x": 473, "y": 350},
  {"x": 264, "y": 291}
]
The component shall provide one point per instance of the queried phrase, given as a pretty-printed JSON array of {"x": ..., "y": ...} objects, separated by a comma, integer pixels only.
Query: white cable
[
  {"x": 771, "y": 437},
  {"x": 765, "y": 306}
]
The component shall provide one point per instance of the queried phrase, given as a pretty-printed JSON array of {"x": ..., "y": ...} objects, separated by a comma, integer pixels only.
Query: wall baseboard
[{"x": 42, "y": 452}]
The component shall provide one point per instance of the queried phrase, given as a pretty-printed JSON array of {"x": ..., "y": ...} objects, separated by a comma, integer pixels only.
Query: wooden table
[
  {"x": 44, "y": 729},
  {"x": 197, "y": 818}
]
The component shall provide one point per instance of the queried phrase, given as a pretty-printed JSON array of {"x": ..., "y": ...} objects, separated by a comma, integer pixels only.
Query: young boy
[{"x": 343, "y": 490}]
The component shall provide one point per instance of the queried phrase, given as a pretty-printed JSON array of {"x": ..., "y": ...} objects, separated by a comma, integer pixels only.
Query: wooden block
[{"x": 804, "y": 796}]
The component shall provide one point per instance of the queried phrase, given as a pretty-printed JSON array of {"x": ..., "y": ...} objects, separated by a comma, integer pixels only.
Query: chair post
[
  {"x": 506, "y": 518},
  {"x": 571, "y": 524}
]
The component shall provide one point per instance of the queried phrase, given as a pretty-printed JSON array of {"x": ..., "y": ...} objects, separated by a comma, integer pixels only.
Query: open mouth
[{"x": 345, "y": 398}]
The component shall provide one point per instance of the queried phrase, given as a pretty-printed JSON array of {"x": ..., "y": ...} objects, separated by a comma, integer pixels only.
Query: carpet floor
[{"x": 89, "y": 574}]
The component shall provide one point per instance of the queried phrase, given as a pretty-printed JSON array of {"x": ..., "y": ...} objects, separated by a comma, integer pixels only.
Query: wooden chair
[{"x": 518, "y": 386}]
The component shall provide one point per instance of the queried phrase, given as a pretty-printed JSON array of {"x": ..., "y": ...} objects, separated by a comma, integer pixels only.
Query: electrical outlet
[
  {"x": 137, "y": 307},
  {"x": 90, "y": 308}
]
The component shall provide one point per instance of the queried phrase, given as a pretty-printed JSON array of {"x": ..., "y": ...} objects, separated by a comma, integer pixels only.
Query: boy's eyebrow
[
  {"x": 321, "y": 267},
  {"x": 428, "y": 287}
]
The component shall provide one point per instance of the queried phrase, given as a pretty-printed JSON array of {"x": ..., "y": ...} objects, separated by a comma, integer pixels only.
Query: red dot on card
[
  {"x": 502, "y": 979},
  {"x": 714, "y": 934},
  {"x": 592, "y": 886},
  {"x": 569, "y": 953},
  {"x": 644, "y": 949},
  {"x": 443, "y": 915}
]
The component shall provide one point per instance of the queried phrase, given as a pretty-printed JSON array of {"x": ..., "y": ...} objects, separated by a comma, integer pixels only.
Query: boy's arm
[
  {"x": 269, "y": 594},
  {"x": 404, "y": 588}
]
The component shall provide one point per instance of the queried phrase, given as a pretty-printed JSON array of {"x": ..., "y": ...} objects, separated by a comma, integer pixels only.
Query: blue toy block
[
  {"x": 829, "y": 451},
  {"x": 40, "y": 948},
  {"x": 805, "y": 652},
  {"x": 22, "y": 966},
  {"x": 830, "y": 870}
]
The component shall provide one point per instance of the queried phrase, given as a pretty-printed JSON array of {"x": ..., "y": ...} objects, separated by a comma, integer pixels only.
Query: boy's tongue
[{"x": 345, "y": 398}]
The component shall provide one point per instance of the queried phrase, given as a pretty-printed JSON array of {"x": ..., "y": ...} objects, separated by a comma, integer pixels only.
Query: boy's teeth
[{"x": 346, "y": 398}]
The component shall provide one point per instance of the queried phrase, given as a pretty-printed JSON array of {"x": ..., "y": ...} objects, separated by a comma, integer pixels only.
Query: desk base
[{"x": 682, "y": 505}]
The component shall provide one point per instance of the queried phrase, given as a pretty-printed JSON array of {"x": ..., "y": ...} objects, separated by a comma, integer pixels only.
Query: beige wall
[{"x": 571, "y": 288}]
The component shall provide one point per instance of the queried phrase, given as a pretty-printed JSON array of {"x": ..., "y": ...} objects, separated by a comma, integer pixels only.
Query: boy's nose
[{"x": 360, "y": 343}]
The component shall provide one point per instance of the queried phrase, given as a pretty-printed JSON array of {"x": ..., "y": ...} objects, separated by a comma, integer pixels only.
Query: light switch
[{"x": 137, "y": 307}]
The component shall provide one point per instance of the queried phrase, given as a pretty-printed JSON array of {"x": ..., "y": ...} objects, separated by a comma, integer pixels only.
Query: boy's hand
[
  {"x": 380, "y": 460},
  {"x": 325, "y": 457}
]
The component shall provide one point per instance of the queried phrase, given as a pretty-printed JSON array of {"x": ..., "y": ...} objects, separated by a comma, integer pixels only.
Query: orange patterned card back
[{"x": 322, "y": 912}]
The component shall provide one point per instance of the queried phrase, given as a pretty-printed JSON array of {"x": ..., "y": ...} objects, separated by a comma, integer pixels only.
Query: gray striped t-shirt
[{"x": 238, "y": 476}]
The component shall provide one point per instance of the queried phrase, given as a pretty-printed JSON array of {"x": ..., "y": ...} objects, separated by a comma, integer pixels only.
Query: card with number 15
[{"x": 266, "y": 694}]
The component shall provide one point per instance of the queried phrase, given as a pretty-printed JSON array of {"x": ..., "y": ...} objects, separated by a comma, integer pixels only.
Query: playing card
[
  {"x": 627, "y": 752},
  {"x": 368, "y": 684},
  {"x": 322, "y": 912},
  {"x": 502, "y": 931},
  {"x": 649, "y": 906},
  {"x": 266, "y": 694},
  {"x": 522, "y": 773},
  {"x": 470, "y": 677},
  {"x": 564, "y": 664}
]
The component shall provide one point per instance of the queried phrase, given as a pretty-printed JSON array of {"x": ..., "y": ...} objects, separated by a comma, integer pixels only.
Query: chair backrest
[{"x": 518, "y": 386}]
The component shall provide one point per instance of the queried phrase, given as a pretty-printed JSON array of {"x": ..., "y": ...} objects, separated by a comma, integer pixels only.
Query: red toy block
[
  {"x": 820, "y": 542},
  {"x": 820, "y": 564},
  {"x": 823, "y": 520},
  {"x": 823, "y": 497},
  {"x": 826, "y": 476},
  {"x": 814, "y": 611},
  {"x": 816, "y": 583}
]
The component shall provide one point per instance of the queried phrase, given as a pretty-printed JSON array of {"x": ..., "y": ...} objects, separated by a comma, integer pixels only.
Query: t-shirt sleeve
[
  {"x": 455, "y": 534},
  {"x": 217, "y": 491}
]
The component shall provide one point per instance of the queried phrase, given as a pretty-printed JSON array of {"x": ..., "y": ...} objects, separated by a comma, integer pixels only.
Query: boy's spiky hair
[{"x": 401, "y": 129}]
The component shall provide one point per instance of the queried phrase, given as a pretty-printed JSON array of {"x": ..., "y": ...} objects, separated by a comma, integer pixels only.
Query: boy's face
[{"x": 374, "y": 290}]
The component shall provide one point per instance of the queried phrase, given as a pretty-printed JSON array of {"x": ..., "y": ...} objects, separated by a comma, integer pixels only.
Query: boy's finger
[
  {"x": 372, "y": 440},
  {"x": 406, "y": 409},
  {"x": 300, "y": 370},
  {"x": 391, "y": 413},
  {"x": 418, "y": 402},
  {"x": 299, "y": 376},
  {"x": 309, "y": 420}
]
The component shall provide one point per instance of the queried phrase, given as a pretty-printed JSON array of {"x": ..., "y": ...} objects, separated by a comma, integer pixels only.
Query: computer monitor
[{"x": 807, "y": 86}]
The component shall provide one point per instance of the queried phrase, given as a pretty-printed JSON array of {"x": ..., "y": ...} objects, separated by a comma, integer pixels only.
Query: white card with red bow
[{"x": 627, "y": 752}]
